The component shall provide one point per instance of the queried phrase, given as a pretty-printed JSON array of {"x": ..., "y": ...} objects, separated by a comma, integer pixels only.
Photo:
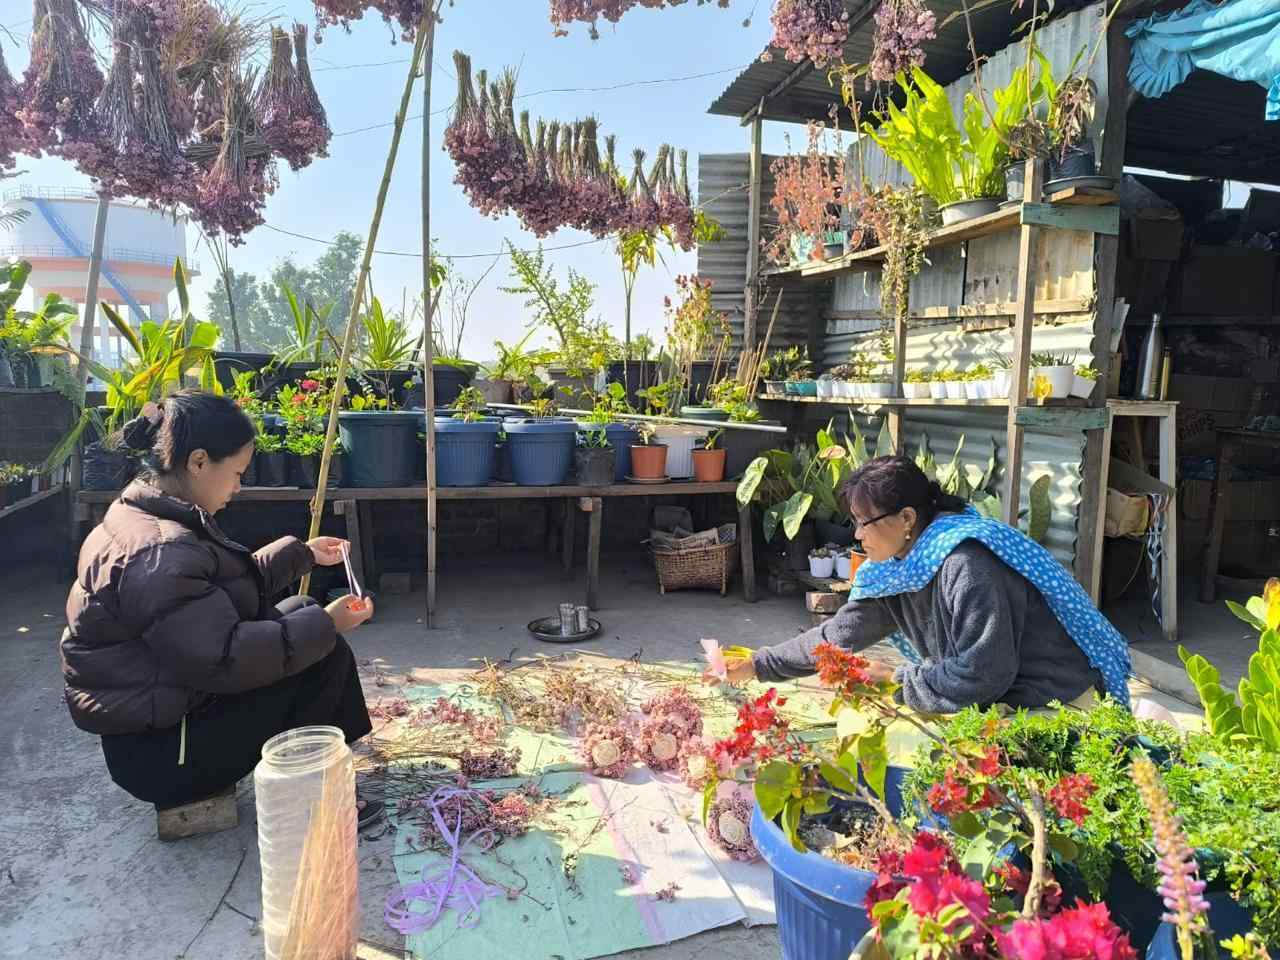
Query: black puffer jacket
[{"x": 166, "y": 611}]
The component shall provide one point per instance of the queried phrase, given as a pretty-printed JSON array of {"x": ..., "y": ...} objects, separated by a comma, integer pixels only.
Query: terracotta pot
[
  {"x": 856, "y": 560},
  {"x": 648, "y": 462},
  {"x": 708, "y": 465}
]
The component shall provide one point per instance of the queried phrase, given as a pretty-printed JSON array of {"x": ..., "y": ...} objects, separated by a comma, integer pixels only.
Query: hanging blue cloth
[
  {"x": 1239, "y": 39},
  {"x": 1093, "y": 633}
]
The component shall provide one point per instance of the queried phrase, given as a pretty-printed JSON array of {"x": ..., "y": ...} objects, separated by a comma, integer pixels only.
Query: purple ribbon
[{"x": 454, "y": 888}]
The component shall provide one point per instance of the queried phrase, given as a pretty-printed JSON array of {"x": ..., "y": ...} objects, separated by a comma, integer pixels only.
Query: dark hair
[
  {"x": 167, "y": 432},
  {"x": 889, "y": 484}
]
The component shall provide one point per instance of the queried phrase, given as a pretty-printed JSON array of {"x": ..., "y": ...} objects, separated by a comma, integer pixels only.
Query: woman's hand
[
  {"x": 879, "y": 671},
  {"x": 737, "y": 670},
  {"x": 327, "y": 550},
  {"x": 349, "y": 612}
]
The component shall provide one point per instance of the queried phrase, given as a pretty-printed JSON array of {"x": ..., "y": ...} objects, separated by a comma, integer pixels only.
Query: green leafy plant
[
  {"x": 660, "y": 398},
  {"x": 266, "y": 442},
  {"x": 309, "y": 333},
  {"x": 783, "y": 364},
  {"x": 388, "y": 345},
  {"x": 26, "y": 336},
  {"x": 469, "y": 405},
  {"x": 712, "y": 439},
  {"x": 1086, "y": 373},
  {"x": 308, "y": 444},
  {"x": 609, "y": 405}
]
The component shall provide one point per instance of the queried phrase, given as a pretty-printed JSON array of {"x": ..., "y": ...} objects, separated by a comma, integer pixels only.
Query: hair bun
[{"x": 140, "y": 432}]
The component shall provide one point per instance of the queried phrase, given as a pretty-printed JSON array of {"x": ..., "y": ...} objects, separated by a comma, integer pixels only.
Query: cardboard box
[{"x": 1226, "y": 281}]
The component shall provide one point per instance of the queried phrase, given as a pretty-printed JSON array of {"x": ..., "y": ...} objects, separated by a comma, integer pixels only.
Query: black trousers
[{"x": 225, "y": 737}]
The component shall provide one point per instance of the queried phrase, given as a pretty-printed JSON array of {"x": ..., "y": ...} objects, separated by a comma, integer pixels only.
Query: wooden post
[
  {"x": 1023, "y": 322},
  {"x": 1097, "y": 445},
  {"x": 751, "y": 307},
  {"x": 1168, "y": 424},
  {"x": 428, "y": 346},
  {"x": 362, "y": 281},
  {"x": 1217, "y": 517},
  {"x": 899, "y": 374},
  {"x": 748, "y": 554},
  {"x": 566, "y": 544},
  {"x": 595, "y": 506}
]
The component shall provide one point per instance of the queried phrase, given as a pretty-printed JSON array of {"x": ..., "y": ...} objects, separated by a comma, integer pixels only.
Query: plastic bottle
[{"x": 305, "y": 786}]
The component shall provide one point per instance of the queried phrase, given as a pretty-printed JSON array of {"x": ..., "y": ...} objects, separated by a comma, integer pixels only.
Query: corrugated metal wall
[{"x": 722, "y": 189}]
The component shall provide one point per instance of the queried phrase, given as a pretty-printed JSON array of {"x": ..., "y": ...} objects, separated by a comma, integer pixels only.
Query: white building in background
[{"x": 138, "y": 255}]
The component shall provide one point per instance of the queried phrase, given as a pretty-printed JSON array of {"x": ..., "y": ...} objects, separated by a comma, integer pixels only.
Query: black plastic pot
[
  {"x": 226, "y": 364},
  {"x": 250, "y": 476},
  {"x": 828, "y": 532},
  {"x": 502, "y": 462},
  {"x": 449, "y": 381},
  {"x": 1078, "y": 162},
  {"x": 699, "y": 381},
  {"x": 639, "y": 375},
  {"x": 594, "y": 466},
  {"x": 304, "y": 471},
  {"x": 395, "y": 384},
  {"x": 743, "y": 446},
  {"x": 105, "y": 469},
  {"x": 6, "y": 372},
  {"x": 273, "y": 469},
  {"x": 16, "y": 490},
  {"x": 1015, "y": 179},
  {"x": 381, "y": 447}
]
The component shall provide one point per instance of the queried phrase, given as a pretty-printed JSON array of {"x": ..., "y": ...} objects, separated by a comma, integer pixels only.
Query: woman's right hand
[
  {"x": 737, "y": 670},
  {"x": 349, "y": 612}
]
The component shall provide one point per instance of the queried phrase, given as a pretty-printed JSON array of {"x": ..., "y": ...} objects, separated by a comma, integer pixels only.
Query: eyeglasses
[{"x": 862, "y": 524}]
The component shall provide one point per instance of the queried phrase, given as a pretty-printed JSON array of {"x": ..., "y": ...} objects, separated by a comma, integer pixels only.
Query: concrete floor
[{"x": 81, "y": 871}]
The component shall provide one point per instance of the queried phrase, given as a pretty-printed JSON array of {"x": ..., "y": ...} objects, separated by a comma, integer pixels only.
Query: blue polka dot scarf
[{"x": 1093, "y": 633}]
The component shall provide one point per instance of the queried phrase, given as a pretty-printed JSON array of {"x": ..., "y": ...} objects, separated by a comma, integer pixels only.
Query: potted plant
[
  {"x": 915, "y": 385},
  {"x": 777, "y": 369},
  {"x": 960, "y": 167},
  {"x": 511, "y": 368},
  {"x": 269, "y": 460},
  {"x": 1001, "y": 367},
  {"x": 466, "y": 442},
  {"x": 709, "y": 460},
  {"x": 807, "y": 198},
  {"x": 648, "y": 457},
  {"x": 380, "y": 441},
  {"x": 542, "y": 446},
  {"x": 594, "y": 459},
  {"x": 938, "y": 385},
  {"x": 608, "y": 408},
  {"x": 978, "y": 382},
  {"x": 1058, "y": 370},
  {"x": 955, "y": 387},
  {"x": 304, "y": 449},
  {"x": 1086, "y": 379},
  {"x": 821, "y": 562},
  {"x": 26, "y": 337},
  {"x": 800, "y": 384},
  {"x": 390, "y": 352}
]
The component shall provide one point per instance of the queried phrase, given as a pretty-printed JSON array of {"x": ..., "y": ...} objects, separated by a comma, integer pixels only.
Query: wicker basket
[{"x": 705, "y": 568}]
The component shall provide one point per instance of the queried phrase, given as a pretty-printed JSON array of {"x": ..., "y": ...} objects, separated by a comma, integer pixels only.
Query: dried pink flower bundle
[
  {"x": 729, "y": 823},
  {"x": 659, "y": 742},
  {"x": 488, "y": 764},
  {"x": 677, "y": 704},
  {"x": 697, "y": 762},
  {"x": 901, "y": 27},
  {"x": 608, "y": 750},
  {"x": 816, "y": 29},
  {"x": 589, "y": 11}
]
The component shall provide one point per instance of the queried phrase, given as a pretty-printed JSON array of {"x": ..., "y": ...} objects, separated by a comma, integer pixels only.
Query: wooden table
[
  {"x": 356, "y": 506},
  {"x": 1229, "y": 441}
]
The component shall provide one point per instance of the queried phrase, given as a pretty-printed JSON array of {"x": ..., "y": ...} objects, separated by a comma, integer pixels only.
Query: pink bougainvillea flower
[{"x": 715, "y": 658}]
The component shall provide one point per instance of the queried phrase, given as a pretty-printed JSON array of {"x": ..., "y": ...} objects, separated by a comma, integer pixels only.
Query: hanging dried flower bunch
[
  {"x": 901, "y": 27},
  {"x": 807, "y": 194},
  {"x": 729, "y": 822},
  {"x": 13, "y": 137},
  {"x": 607, "y": 749},
  {"x": 556, "y": 179},
  {"x": 589, "y": 11},
  {"x": 290, "y": 116},
  {"x": 405, "y": 14},
  {"x": 62, "y": 81},
  {"x": 816, "y": 29}
]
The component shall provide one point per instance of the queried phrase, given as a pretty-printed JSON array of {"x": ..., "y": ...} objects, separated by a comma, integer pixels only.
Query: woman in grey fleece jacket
[{"x": 984, "y": 633}]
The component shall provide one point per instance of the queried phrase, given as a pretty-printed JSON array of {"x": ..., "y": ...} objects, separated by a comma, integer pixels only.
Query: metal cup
[
  {"x": 584, "y": 619},
  {"x": 568, "y": 620}
]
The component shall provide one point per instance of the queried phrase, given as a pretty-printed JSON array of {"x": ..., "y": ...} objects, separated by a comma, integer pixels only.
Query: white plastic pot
[
  {"x": 956, "y": 390},
  {"x": 1000, "y": 384},
  {"x": 937, "y": 390},
  {"x": 821, "y": 566},
  {"x": 825, "y": 387},
  {"x": 978, "y": 389},
  {"x": 843, "y": 567},
  {"x": 1061, "y": 379},
  {"x": 1082, "y": 387},
  {"x": 916, "y": 391},
  {"x": 680, "y": 442},
  {"x": 879, "y": 391}
]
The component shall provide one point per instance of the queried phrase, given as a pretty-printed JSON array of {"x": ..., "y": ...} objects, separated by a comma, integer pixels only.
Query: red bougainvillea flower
[
  {"x": 1068, "y": 797},
  {"x": 1085, "y": 930},
  {"x": 761, "y": 734},
  {"x": 309, "y": 385},
  {"x": 937, "y": 882},
  {"x": 952, "y": 796},
  {"x": 888, "y": 880},
  {"x": 842, "y": 671}
]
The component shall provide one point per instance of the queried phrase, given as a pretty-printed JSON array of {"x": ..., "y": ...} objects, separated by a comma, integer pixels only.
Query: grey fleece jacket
[{"x": 984, "y": 633}]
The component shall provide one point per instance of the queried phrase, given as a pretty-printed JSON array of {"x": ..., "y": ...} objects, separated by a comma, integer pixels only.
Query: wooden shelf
[
  {"x": 32, "y": 500},
  {"x": 1069, "y": 403},
  {"x": 997, "y": 222}
]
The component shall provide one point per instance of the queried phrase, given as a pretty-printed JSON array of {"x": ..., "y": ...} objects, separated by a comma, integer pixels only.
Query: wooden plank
[
  {"x": 1063, "y": 419},
  {"x": 566, "y": 542},
  {"x": 1218, "y": 507},
  {"x": 1168, "y": 474},
  {"x": 32, "y": 500},
  {"x": 370, "y": 556},
  {"x": 593, "y": 552},
  {"x": 1089, "y": 536},
  {"x": 210, "y": 815},
  {"x": 747, "y": 550},
  {"x": 972, "y": 311},
  {"x": 754, "y": 185},
  {"x": 1033, "y": 187},
  {"x": 1090, "y": 196},
  {"x": 821, "y": 601},
  {"x": 351, "y": 512},
  {"x": 1104, "y": 220}
]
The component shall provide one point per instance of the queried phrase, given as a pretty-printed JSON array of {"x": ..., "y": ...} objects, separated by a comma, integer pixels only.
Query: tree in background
[{"x": 235, "y": 306}]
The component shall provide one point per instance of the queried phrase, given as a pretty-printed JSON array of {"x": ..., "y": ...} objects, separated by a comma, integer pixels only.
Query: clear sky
[{"x": 338, "y": 193}]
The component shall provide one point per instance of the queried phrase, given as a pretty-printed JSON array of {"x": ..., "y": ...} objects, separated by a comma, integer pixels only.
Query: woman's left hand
[
  {"x": 327, "y": 550},
  {"x": 879, "y": 671}
]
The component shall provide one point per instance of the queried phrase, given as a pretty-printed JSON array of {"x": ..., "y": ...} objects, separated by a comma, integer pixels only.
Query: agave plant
[
  {"x": 309, "y": 333},
  {"x": 388, "y": 343}
]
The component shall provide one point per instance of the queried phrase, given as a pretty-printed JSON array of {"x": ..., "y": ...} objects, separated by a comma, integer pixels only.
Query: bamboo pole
[
  {"x": 428, "y": 346},
  {"x": 362, "y": 280}
]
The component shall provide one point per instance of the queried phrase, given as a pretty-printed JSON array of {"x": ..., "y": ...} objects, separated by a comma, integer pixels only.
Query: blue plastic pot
[
  {"x": 381, "y": 446},
  {"x": 1226, "y": 918},
  {"x": 465, "y": 451},
  {"x": 620, "y": 437},
  {"x": 819, "y": 902},
  {"x": 541, "y": 450}
]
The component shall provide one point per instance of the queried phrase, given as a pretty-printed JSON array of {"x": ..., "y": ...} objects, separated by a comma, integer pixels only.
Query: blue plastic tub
[
  {"x": 620, "y": 436},
  {"x": 818, "y": 901},
  {"x": 1226, "y": 918},
  {"x": 541, "y": 450},
  {"x": 381, "y": 447},
  {"x": 465, "y": 451}
]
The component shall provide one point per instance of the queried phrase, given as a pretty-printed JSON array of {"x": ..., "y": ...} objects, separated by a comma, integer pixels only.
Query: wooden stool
[{"x": 210, "y": 815}]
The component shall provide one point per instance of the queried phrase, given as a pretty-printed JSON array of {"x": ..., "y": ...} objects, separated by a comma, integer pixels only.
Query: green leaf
[
  {"x": 750, "y": 481},
  {"x": 1041, "y": 507},
  {"x": 873, "y": 756},
  {"x": 884, "y": 442},
  {"x": 775, "y": 783},
  {"x": 794, "y": 511},
  {"x": 857, "y": 447},
  {"x": 1063, "y": 846},
  {"x": 709, "y": 797},
  {"x": 838, "y": 777},
  {"x": 772, "y": 517},
  {"x": 791, "y": 823},
  {"x": 180, "y": 281},
  {"x": 966, "y": 825},
  {"x": 126, "y": 331}
]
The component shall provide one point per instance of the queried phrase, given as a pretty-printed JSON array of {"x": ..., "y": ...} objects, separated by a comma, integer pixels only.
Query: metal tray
[{"x": 547, "y": 629}]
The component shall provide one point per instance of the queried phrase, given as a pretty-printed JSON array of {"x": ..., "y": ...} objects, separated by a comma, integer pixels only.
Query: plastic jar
[{"x": 305, "y": 787}]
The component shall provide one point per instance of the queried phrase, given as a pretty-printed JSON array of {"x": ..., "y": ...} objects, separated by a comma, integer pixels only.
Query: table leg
[
  {"x": 351, "y": 512},
  {"x": 594, "y": 506},
  {"x": 748, "y": 554},
  {"x": 370, "y": 579},
  {"x": 1217, "y": 519},
  {"x": 566, "y": 548},
  {"x": 1169, "y": 544}
]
